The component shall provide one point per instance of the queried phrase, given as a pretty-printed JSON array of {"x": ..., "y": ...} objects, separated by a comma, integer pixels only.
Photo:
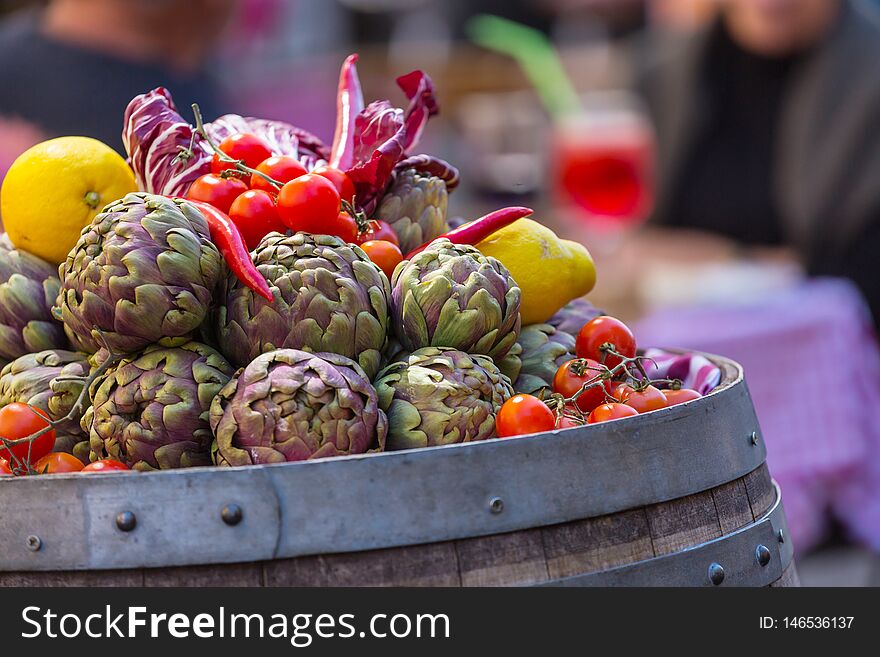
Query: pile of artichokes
[{"x": 342, "y": 361}]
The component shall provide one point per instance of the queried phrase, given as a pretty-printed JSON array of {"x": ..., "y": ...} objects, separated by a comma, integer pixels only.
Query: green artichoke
[
  {"x": 45, "y": 380},
  {"x": 150, "y": 410},
  {"x": 544, "y": 349},
  {"x": 438, "y": 396},
  {"x": 28, "y": 288},
  {"x": 329, "y": 297},
  {"x": 292, "y": 405},
  {"x": 451, "y": 295},
  {"x": 572, "y": 316},
  {"x": 142, "y": 273},
  {"x": 511, "y": 364},
  {"x": 415, "y": 207}
]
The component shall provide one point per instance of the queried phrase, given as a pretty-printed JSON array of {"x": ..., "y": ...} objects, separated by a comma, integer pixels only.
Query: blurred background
[{"x": 720, "y": 158}]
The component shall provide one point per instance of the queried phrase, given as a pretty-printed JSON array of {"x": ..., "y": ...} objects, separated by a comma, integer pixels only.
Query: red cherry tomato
[
  {"x": 58, "y": 462},
  {"x": 243, "y": 147},
  {"x": 569, "y": 421},
  {"x": 680, "y": 396},
  {"x": 340, "y": 181},
  {"x": 378, "y": 230},
  {"x": 255, "y": 215},
  {"x": 20, "y": 421},
  {"x": 384, "y": 254},
  {"x": 216, "y": 191},
  {"x": 605, "y": 330},
  {"x": 571, "y": 377},
  {"x": 105, "y": 465},
  {"x": 308, "y": 204},
  {"x": 343, "y": 227},
  {"x": 606, "y": 412},
  {"x": 649, "y": 399},
  {"x": 281, "y": 168},
  {"x": 523, "y": 414},
  {"x": 4, "y": 468}
]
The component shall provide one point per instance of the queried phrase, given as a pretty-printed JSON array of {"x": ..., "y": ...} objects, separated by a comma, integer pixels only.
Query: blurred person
[
  {"x": 766, "y": 123},
  {"x": 70, "y": 67}
]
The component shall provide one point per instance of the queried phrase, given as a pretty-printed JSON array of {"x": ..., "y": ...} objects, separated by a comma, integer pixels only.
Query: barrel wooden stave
[{"x": 527, "y": 557}]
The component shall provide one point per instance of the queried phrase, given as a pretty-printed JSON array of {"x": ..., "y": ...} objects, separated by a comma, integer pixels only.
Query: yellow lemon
[
  {"x": 56, "y": 188},
  {"x": 549, "y": 271}
]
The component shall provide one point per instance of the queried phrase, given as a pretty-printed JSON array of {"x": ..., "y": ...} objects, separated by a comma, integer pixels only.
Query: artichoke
[
  {"x": 150, "y": 411},
  {"x": 142, "y": 273},
  {"x": 415, "y": 207},
  {"x": 28, "y": 288},
  {"x": 439, "y": 396},
  {"x": 511, "y": 364},
  {"x": 45, "y": 380},
  {"x": 451, "y": 295},
  {"x": 544, "y": 349},
  {"x": 329, "y": 297},
  {"x": 292, "y": 405},
  {"x": 573, "y": 315}
]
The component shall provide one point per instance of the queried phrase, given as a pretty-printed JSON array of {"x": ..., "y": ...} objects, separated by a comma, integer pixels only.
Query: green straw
[{"x": 536, "y": 55}]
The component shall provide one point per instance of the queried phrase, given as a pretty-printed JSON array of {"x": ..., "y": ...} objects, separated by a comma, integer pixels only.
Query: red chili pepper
[
  {"x": 228, "y": 239},
  {"x": 349, "y": 104},
  {"x": 477, "y": 230}
]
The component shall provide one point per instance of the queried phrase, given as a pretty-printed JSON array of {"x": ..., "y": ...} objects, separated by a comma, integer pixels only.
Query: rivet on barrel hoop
[
  {"x": 126, "y": 521},
  {"x": 716, "y": 573},
  {"x": 496, "y": 505},
  {"x": 33, "y": 543},
  {"x": 753, "y": 437},
  {"x": 762, "y": 555},
  {"x": 231, "y": 514}
]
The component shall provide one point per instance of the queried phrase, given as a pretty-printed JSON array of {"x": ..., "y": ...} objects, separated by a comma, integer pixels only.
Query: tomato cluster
[
  {"x": 19, "y": 421},
  {"x": 280, "y": 194},
  {"x": 596, "y": 386}
]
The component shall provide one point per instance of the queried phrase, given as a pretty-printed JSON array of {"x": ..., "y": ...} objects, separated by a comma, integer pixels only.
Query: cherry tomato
[
  {"x": 343, "y": 227},
  {"x": 523, "y": 414},
  {"x": 649, "y": 399},
  {"x": 680, "y": 396},
  {"x": 605, "y": 330},
  {"x": 216, "y": 191},
  {"x": 20, "y": 421},
  {"x": 4, "y": 468},
  {"x": 606, "y": 412},
  {"x": 244, "y": 147},
  {"x": 58, "y": 462},
  {"x": 571, "y": 377},
  {"x": 567, "y": 422},
  {"x": 281, "y": 168},
  {"x": 255, "y": 215},
  {"x": 378, "y": 230},
  {"x": 105, "y": 465},
  {"x": 383, "y": 254},
  {"x": 308, "y": 204},
  {"x": 340, "y": 181}
]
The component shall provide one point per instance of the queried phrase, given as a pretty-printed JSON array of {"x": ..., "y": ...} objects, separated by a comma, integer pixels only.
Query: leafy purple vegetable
[
  {"x": 165, "y": 153},
  {"x": 385, "y": 135}
]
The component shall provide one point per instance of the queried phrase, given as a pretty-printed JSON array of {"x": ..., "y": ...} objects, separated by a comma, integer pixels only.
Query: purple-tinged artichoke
[
  {"x": 438, "y": 396},
  {"x": 415, "y": 206},
  {"x": 28, "y": 288},
  {"x": 329, "y": 297},
  {"x": 292, "y": 405},
  {"x": 451, "y": 295},
  {"x": 150, "y": 411},
  {"x": 573, "y": 315},
  {"x": 544, "y": 349},
  {"x": 142, "y": 273},
  {"x": 47, "y": 380}
]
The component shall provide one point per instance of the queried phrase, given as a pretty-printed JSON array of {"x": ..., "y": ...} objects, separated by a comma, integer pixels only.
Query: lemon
[
  {"x": 550, "y": 271},
  {"x": 56, "y": 188}
]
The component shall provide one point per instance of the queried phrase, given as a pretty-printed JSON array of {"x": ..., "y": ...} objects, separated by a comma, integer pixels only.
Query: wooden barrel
[{"x": 677, "y": 497}]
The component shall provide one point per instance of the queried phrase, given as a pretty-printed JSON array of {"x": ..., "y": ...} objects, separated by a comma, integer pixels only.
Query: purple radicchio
[{"x": 167, "y": 155}]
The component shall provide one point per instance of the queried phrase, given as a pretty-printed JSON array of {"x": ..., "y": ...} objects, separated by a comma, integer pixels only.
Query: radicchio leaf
[
  {"x": 385, "y": 135},
  {"x": 165, "y": 153}
]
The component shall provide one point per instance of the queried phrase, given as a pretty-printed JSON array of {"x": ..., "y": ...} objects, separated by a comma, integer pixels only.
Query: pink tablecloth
[{"x": 813, "y": 367}]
